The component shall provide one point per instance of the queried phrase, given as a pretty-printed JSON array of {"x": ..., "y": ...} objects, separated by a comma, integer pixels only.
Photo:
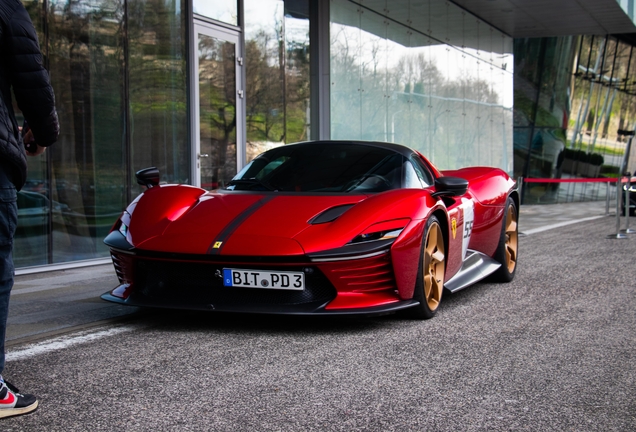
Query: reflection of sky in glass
[
  {"x": 220, "y": 10},
  {"x": 266, "y": 16},
  {"x": 454, "y": 64},
  {"x": 399, "y": 83}
]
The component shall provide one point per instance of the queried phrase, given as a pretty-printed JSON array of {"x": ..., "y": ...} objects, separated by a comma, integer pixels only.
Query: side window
[
  {"x": 271, "y": 166},
  {"x": 411, "y": 178},
  {"x": 422, "y": 172}
]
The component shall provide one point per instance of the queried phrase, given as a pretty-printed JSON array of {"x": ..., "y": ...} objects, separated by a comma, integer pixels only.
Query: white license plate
[{"x": 264, "y": 279}]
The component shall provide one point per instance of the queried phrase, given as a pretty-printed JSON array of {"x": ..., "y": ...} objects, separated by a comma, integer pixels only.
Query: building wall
[{"x": 426, "y": 74}]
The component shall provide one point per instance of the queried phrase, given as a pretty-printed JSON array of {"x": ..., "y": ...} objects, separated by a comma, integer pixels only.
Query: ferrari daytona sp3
[{"x": 324, "y": 227}]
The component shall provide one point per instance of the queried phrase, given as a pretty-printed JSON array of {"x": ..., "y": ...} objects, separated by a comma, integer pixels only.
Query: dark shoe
[{"x": 13, "y": 403}]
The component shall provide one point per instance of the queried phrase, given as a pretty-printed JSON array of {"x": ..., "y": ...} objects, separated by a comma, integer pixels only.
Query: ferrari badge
[
  {"x": 453, "y": 226},
  {"x": 218, "y": 244}
]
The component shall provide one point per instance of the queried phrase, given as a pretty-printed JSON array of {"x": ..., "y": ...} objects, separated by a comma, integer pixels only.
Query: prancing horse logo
[{"x": 454, "y": 227}]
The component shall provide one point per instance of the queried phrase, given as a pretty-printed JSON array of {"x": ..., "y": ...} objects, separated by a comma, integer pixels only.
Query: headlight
[
  {"x": 388, "y": 230},
  {"x": 380, "y": 235},
  {"x": 123, "y": 229}
]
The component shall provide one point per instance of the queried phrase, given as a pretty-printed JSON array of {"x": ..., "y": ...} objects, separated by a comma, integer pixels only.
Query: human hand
[{"x": 32, "y": 148}]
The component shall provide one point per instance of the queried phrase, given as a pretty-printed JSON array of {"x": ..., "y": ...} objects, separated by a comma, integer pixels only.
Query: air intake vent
[{"x": 331, "y": 214}]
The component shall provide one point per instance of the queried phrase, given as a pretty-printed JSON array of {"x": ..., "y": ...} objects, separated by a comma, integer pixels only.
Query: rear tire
[
  {"x": 508, "y": 247},
  {"x": 430, "y": 277}
]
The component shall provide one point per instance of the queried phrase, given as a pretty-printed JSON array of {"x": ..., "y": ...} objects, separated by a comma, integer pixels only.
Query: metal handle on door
[{"x": 199, "y": 155}]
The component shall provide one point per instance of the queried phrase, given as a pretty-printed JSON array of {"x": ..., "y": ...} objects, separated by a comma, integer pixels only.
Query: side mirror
[
  {"x": 148, "y": 177},
  {"x": 450, "y": 186}
]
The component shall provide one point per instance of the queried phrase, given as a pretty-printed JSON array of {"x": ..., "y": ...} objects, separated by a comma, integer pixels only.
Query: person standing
[{"x": 21, "y": 69}]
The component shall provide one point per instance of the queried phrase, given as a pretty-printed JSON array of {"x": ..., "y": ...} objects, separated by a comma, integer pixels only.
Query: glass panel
[
  {"x": 277, "y": 62},
  {"x": 472, "y": 108},
  {"x": 500, "y": 149},
  {"x": 217, "y": 111},
  {"x": 393, "y": 82},
  {"x": 419, "y": 16},
  {"x": 507, "y": 99},
  {"x": 508, "y": 61},
  {"x": 437, "y": 25},
  {"x": 521, "y": 147},
  {"x": 32, "y": 240},
  {"x": 471, "y": 34},
  {"x": 453, "y": 119},
  {"x": 77, "y": 189},
  {"x": 438, "y": 106},
  {"x": 157, "y": 90},
  {"x": 346, "y": 86},
  {"x": 87, "y": 72},
  {"x": 546, "y": 148},
  {"x": 220, "y": 10},
  {"x": 485, "y": 42},
  {"x": 498, "y": 39},
  {"x": 454, "y": 24},
  {"x": 484, "y": 98},
  {"x": 373, "y": 98},
  {"x": 421, "y": 70},
  {"x": 398, "y": 10},
  {"x": 399, "y": 81}
]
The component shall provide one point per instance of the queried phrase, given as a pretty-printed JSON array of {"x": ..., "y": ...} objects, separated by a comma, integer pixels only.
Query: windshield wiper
[{"x": 253, "y": 182}]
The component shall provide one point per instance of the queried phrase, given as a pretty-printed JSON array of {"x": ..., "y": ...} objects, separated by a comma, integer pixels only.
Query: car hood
[
  {"x": 229, "y": 223},
  {"x": 188, "y": 220}
]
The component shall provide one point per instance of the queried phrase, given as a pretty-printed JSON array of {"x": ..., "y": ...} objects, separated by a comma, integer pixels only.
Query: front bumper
[
  {"x": 265, "y": 309},
  {"x": 364, "y": 284}
]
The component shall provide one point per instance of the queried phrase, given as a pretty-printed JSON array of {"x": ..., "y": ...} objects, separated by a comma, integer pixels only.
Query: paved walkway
[{"x": 541, "y": 217}]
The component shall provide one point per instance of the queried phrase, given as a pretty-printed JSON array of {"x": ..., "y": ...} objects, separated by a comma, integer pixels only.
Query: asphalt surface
[{"x": 552, "y": 350}]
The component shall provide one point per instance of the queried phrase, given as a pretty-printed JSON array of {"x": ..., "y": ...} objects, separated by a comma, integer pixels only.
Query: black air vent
[{"x": 331, "y": 214}]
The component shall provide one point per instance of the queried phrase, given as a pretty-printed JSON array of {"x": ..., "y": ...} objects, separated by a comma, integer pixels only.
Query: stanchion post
[
  {"x": 619, "y": 234},
  {"x": 628, "y": 186},
  {"x": 619, "y": 185},
  {"x": 607, "y": 198}
]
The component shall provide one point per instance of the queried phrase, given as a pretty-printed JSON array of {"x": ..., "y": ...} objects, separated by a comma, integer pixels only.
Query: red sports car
[{"x": 325, "y": 227}]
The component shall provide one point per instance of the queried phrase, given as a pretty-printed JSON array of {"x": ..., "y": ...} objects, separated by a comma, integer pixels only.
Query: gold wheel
[
  {"x": 434, "y": 266},
  {"x": 511, "y": 238}
]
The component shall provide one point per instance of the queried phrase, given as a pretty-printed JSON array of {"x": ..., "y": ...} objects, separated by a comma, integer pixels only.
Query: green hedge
[{"x": 581, "y": 156}]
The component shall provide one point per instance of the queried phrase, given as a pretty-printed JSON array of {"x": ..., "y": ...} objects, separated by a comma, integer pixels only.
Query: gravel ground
[{"x": 552, "y": 350}]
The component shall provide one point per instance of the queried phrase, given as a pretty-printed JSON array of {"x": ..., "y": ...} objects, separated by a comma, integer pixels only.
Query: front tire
[
  {"x": 430, "y": 278},
  {"x": 508, "y": 247}
]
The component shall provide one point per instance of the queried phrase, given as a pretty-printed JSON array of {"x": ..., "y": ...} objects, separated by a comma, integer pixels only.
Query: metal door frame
[{"x": 229, "y": 35}]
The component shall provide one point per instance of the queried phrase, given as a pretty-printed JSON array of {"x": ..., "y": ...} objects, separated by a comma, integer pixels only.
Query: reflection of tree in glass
[
  {"x": 217, "y": 103},
  {"x": 95, "y": 57},
  {"x": 157, "y": 89},
  {"x": 412, "y": 101},
  {"x": 277, "y": 74},
  {"x": 86, "y": 64}
]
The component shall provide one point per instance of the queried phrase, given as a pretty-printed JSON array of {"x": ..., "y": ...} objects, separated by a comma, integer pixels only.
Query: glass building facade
[
  {"x": 119, "y": 74},
  {"x": 574, "y": 99},
  {"x": 122, "y": 75},
  {"x": 197, "y": 88},
  {"x": 426, "y": 74}
]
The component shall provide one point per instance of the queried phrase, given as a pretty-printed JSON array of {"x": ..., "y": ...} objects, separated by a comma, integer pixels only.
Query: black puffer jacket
[{"x": 21, "y": 68}]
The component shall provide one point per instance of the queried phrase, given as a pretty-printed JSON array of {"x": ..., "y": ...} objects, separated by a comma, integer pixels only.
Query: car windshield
[{"x": 322, "y": 167}]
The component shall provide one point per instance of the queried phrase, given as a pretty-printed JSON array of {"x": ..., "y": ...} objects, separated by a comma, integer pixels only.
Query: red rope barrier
[{"x": 573, "y": 180}]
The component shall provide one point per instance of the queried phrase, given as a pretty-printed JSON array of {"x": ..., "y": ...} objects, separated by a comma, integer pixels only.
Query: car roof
[{"x": 398, "y": 148}]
